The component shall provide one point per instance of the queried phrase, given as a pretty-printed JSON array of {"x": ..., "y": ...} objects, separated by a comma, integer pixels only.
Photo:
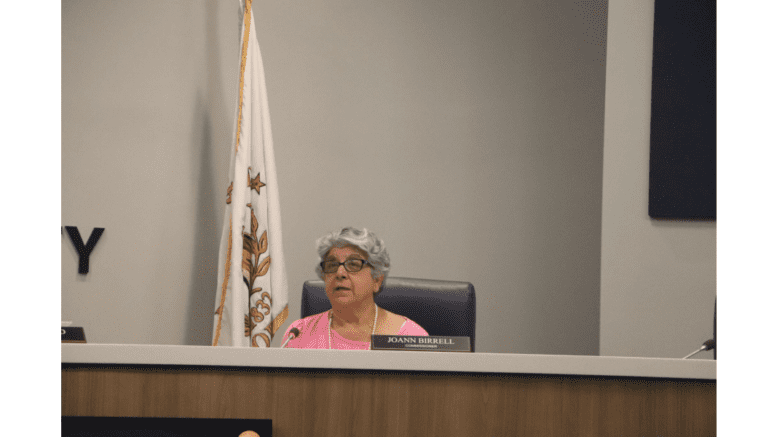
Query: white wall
[
  {"x": 472, "y": 132},
  {"x": 657, "y": 277}
]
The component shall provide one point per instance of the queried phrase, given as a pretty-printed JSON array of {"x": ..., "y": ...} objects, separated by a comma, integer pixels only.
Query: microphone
[
  {"x": 294, "y": 334},
  {"x": 708, "y": 345}
]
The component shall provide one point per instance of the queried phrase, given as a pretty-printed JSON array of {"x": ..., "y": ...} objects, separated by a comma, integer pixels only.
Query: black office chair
[{"x": 440, "y": 307}]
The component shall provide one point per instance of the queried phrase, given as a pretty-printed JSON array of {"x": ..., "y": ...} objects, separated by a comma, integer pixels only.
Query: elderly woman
[{"x": 353, "y": 265}]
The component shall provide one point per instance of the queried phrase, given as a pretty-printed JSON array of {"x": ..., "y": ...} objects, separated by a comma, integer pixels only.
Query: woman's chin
[{"x": 340, "y": 299}]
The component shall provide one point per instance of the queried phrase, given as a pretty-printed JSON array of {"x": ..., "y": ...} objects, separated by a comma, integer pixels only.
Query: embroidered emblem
[
  {"x": 254, "y": 267},
  {"x": 254, "y": 183}
]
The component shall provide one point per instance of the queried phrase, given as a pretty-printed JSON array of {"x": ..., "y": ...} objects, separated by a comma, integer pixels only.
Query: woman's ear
[{"x": 378, "y": 284}]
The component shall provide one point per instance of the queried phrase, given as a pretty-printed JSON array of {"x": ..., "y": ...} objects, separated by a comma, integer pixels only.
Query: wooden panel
[{"x": 347, "y": 403}]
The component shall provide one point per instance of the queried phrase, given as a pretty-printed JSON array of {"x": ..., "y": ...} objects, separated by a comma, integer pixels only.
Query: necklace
[{"x": 329, "y": 328}]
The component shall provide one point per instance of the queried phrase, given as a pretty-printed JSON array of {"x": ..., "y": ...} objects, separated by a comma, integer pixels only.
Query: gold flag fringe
[
  {"x": 227, "y": 268},
  {"x": 243, "y": 57},
  {"x": 278, "y": 321}
]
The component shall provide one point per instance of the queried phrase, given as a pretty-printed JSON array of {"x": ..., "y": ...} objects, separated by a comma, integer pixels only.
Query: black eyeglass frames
[{"x": 351, "y": 265}]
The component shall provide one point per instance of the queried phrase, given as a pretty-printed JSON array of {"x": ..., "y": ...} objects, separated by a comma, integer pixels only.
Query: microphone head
[
  {"x": 709, "y": 344},
  {"x": 293, "y": 333}
]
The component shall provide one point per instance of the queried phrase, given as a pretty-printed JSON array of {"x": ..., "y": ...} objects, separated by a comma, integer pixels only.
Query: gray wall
[
  {"x": 147, "y": 104},
  {"x": 476, "y": 130},
  {"x": 473, "y": 131},
  {"x": 658, "y": 277}
]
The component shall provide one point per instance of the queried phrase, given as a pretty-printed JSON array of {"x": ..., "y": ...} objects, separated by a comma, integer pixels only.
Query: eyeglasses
[{"x": 351, "y": 265}]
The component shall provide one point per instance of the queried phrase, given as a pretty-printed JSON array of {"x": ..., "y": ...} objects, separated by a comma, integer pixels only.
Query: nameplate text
[{"x": 420, "y": 343}]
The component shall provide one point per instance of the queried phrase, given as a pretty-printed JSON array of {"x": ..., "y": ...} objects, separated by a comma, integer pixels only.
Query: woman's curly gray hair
[{"x": 365, "y": 240}]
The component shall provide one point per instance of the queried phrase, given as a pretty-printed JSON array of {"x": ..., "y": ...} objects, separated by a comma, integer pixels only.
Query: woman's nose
[{"x": 341, "y": 272}]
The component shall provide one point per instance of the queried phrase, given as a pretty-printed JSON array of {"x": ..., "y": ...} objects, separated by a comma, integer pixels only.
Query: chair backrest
[{"x": 440, "y": 307}]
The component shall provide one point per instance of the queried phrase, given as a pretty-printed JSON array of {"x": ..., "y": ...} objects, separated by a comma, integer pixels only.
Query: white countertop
[{"x": 128, "y": 354}]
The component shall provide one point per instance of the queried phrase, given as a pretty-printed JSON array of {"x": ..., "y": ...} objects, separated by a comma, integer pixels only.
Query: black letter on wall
[{"x": 83, "y": 251}]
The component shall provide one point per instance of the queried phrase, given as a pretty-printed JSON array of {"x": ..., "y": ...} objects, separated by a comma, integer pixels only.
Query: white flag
[{"x": 252, "y": 296}]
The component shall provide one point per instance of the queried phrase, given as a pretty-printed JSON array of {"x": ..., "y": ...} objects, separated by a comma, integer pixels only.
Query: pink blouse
[{"x": 314, "y": 331}]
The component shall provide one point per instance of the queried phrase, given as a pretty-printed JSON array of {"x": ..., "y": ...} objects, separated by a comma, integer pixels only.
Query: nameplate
[
  {"x": 71, "y": 334},
  {"x": 420, "y": 343}
]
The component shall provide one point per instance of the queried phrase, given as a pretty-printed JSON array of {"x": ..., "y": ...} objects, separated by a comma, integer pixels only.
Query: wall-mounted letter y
[{"x": 83, "y": 251}]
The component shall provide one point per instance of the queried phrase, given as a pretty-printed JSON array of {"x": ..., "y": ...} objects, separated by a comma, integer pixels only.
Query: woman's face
[{"x": 345, "y": 288}]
